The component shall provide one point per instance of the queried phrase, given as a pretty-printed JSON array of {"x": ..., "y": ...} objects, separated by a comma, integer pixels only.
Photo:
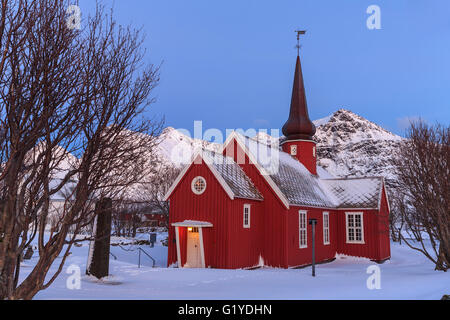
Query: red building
[{"x": 250, "y": 204}]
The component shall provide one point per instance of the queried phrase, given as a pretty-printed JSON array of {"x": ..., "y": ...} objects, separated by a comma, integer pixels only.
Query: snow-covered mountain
[
  {"x": 350, "y": 145},
  {"x": 347, "y": 145},
  {"x": 175, "y": 147}
]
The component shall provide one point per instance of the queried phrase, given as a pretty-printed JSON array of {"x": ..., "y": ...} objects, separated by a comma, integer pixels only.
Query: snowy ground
[{"x": 408, "y": 275}]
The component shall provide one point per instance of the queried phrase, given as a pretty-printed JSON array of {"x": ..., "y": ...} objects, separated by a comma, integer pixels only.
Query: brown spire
[{"x": 298, "y": 126}]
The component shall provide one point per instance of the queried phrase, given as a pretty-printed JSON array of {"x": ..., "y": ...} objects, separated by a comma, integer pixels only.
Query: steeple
[
  {"x": 298, "y": 126},
  {"x": 299, "y": 129}
]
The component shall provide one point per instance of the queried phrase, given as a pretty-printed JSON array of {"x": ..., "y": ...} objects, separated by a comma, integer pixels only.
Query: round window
[{"x": 198, "y": 185}]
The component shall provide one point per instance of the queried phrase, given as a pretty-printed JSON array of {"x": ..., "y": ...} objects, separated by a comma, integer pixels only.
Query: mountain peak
[
  {"x": 345, "y": 126},
  {"x": 347, "y": 145}
]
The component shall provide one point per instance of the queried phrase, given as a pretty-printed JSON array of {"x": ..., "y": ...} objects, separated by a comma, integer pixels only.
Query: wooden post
[{"x": 98, "y": 264}]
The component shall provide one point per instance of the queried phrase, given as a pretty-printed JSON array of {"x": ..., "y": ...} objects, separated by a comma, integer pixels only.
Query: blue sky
[{"x": 231, "y": 63}]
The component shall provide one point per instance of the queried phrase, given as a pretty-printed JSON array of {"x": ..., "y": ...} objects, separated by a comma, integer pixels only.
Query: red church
[{"x": 249, "y": 205}]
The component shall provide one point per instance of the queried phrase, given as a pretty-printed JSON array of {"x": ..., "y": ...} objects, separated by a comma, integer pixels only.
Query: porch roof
[{"x": 192, "y": 223}]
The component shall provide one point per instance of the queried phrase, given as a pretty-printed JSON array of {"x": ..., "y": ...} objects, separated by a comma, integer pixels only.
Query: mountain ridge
[{"x": 348, "y": 145}]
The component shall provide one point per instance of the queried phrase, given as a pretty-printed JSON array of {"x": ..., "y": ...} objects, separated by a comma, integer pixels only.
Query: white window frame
[
  {"x": 246, "y": 225},
  {"x": 302, "y": 228},
  {"x": 326, "y": 228},
  {"x": 195, "y": 191},
  {"x": 347, "y": 228},
  {"x": 294, "y": 150}
]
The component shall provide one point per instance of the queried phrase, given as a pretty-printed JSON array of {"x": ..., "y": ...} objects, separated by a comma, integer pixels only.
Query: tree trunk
[{"x": 99, "y": 262}]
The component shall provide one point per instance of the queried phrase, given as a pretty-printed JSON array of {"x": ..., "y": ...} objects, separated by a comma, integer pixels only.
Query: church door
[{"x": 193, "y": 249}]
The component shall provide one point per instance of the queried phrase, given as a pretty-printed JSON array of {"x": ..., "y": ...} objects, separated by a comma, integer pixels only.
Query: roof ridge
[
  {"x": 213, "y": 152},
  {"x": 354, "y": 178}
]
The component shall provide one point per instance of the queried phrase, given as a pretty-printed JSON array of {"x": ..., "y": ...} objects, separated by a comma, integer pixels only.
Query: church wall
[
  {"x": 245, "y": 245},
  {"x": 212, "y": 206},
  {"x": 303, "y": 256},
  {"x": 274, "y": 225},
  {"x": 371, "y": 246}
]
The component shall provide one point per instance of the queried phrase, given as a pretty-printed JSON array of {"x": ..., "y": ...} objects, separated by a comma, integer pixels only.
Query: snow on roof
[
  {"x": 234, "y": 176},
  {"x": 355, "y": 192},
  {"x": 292, "y": 178},
  {"x": 324, "y": 173},
  {"x": 192, "y": 223},
  {"x": 301, "y": 187}
]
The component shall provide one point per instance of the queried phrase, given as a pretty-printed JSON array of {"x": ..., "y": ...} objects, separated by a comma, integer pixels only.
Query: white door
[{"x": 193, "y": 249}]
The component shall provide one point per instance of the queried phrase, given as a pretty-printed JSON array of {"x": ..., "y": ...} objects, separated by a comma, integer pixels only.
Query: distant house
[
  {"x": 250, "y": 205},
  {"x": 148, "y": 215}
]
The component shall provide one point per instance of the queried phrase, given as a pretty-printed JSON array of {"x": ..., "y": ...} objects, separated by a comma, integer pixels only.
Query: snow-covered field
[{"x": 408, "y": 275}]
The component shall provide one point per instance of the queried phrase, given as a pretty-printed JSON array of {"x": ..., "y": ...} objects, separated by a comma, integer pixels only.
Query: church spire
[
  {"x": 298, "y": 126},
  {"x": 299, "y": 129}
]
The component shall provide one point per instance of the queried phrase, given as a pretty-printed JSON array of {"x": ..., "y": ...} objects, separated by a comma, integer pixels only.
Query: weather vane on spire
[{"x": 298, "y": 46}]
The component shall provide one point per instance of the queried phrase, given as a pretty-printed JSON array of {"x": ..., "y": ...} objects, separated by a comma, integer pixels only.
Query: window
[
  {"x": 326, "y": 228},
  {"x": 198, "y": 185},
  {"x": 302, "y": 233},
  {"x": 355, "y": 227},
  {"x": 293, "y": 150},
  {"x": 246, "y": 216}
]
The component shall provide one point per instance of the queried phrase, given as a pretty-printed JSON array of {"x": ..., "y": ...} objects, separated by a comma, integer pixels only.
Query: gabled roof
[
  {"x": 227, "y": 172},
  {"x": 263, "y": 165},
  {"x": 293, "y": 182},
  {"x": 354, "y": 193},
  {"x": 234, "y": 176},
  {"x": 288, "y": 178},
  {"x": 297, "y": 184}
]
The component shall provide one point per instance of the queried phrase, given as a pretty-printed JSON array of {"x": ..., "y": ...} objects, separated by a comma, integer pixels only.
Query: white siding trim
[
  {"x": 294, "y": 140},
  {"x": 261, "y": 170},
  {"x": 202, "y": 248},
  {"x": 383, "y": 188},
  {"x": 177, "y": 237},
  {"x": 221, "y": 180},
  {"x": 216, "y": 174},
  {"x": 177, "y": 180}
]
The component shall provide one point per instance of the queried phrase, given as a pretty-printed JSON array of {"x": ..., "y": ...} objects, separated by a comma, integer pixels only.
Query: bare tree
[
  {"x": 127, "y": 217},
  {"x": 62, "y": 92},
  {"x": 396, "y": 222},
  {"x": 157, "y": 187},
  {"x": 423, "y": 168}
]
